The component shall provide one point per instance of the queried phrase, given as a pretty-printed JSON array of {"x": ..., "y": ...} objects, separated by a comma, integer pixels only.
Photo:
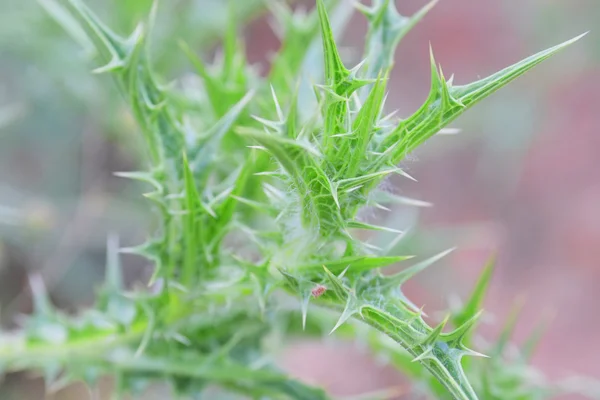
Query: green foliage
[{"x": 258, "y": 196}]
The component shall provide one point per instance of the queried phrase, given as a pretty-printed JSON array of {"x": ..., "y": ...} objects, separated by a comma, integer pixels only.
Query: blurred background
[{"x": 521, "y": 179}]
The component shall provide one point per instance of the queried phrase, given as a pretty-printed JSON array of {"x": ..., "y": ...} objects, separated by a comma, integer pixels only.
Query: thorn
[
  {"x": 408, "y": 273},
  {"x": 208, "y": 209},
  {"x": 304, "y": 308},
  {"x": 148, "y": 333},
  {"x": 146, "y": 177},
  {"x": 39, "y": 293},
  {"x": 275, "y": 125},
  {"x": 181, "y": 339},
  {"x": 362, "y": 225},
  {"x": 277, "y": 106},
  {"x": 424, "y": 355},
  {"x": 267, "y": 173},
  {"x": 382, "y": 207},
  {"x": 422, "y": 311},
  {"x": 410, "y": 305},
  {"x": 435, "y": 333},
  {"x": 390, "y": 247},
  {"x": 336, "y": 284},
  {"x": 478, "y": 294},
  {"x": 404, "y": 174},
  {"x": 331, "y": 92},
  {"x": 389, "y": 116},
  {"x": 343, "y": 273},
  {"x": 350, "y": 309},
  {"x": 113, "y": 267},
  {"x": 114, "y": 65},
  {"x": 257, "y": 147},
  {"x": 341, "y": 135},
  {"x": 334, "y": 193},
  {"x": 450, "y": 80},
  {"x": 353, "y": 189},
  {"x": 372, "y": 247},
  {"x": 449, "y": 131},
  {"x": 432, "y": 60},
  {"x": 455, "y": 337},
  {"x": 357, "y": 67},
  {"x": 473, "y": 353}
]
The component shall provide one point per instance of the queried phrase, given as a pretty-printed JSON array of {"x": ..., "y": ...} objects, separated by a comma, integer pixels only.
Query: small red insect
[{"x": 318, "y": 290}]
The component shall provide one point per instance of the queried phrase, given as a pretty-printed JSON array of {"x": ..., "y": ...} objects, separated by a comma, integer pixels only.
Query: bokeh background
[{"x": 521, "y": 179}]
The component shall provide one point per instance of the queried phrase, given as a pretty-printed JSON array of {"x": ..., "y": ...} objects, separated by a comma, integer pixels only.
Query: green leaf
[
  {"x": 446, "y": 102},
  {"x": 340, "y": 83},
  {"x": 473, "y": 305},
  {"x": 354, "y": 265},
  {"x": 192, "y": 232}
]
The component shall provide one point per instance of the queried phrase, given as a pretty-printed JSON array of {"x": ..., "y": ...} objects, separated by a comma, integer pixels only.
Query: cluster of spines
[
  {"x": 139, "y": 338},
  {"x": 330, "y": 166},
  {"x": 182, "y": 160},
  {"x": 332, "y": 172}
]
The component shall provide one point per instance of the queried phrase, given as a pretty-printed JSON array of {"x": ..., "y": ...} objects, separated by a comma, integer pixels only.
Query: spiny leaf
[
  {"x": 473, "y": 305},
  {"x": 114, "y": 276},
  {"x": 335, "y": 71},
  {"x": 353, "y": 307},
  {"x": 473, "y": 92},
  {"x": 363, "y": 129},
  {"x": 433, "y": 336},
  {"x": 336, "y": 284},
  {"x": 192, "y": 232},
  {"x": 340, "y": 83},
  {"x": 348, "y": 184},
  {"x": 354, "y": 265},
  {"x": 446, "y": 102},
  {"x": 440, "y": 359},
  {"x": 457, "y": 336}
]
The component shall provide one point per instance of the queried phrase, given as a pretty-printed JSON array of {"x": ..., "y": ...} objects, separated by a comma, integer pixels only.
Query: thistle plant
[{"x": 258, "y": 183}]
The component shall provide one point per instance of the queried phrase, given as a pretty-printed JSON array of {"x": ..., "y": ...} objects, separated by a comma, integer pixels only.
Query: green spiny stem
[
  {"x": 443, "y": 368},
  {"x": 16, "y": 354},
  {"x": 408, "y": 334}
]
